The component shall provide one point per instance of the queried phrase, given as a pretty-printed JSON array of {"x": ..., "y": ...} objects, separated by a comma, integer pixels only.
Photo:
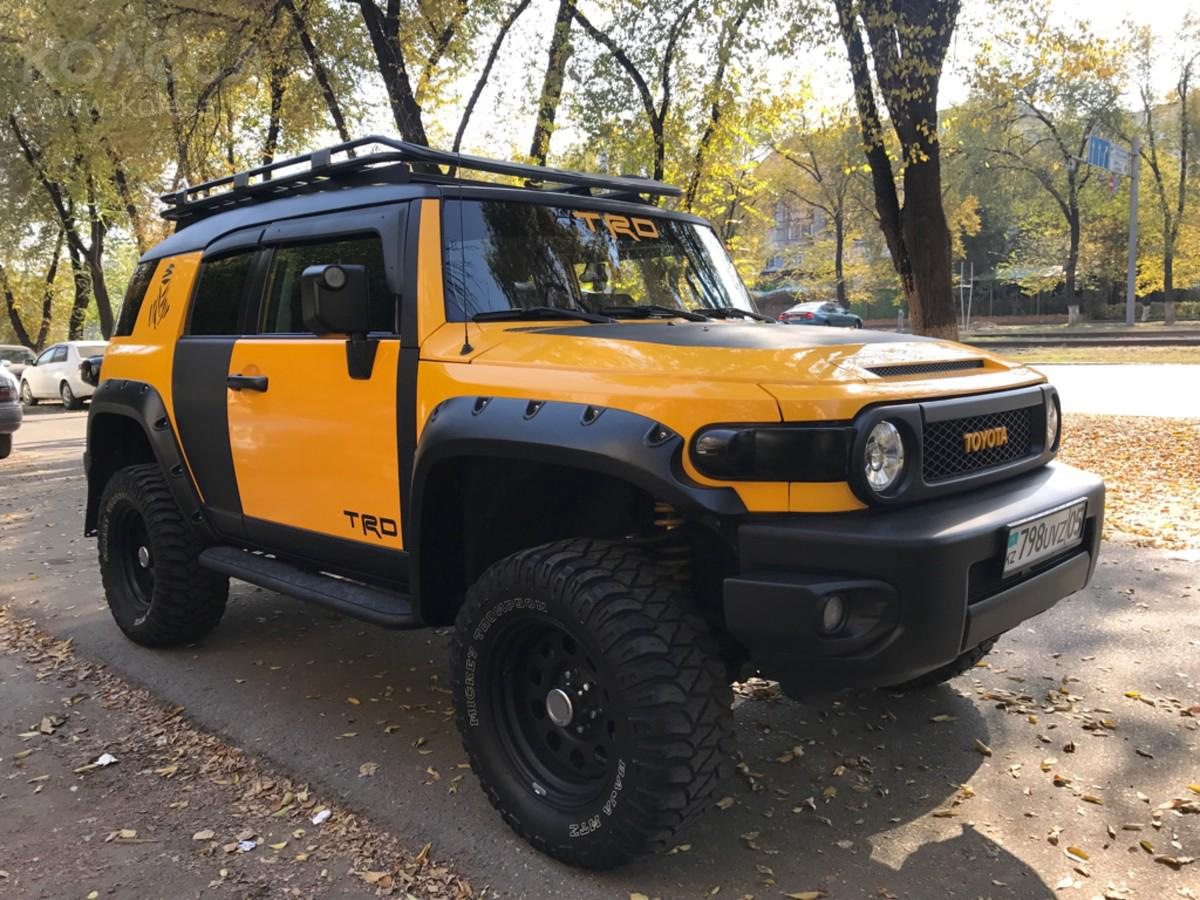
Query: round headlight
[
  {"x": 884, "y": 457},
  {"x": 1052, "y": 423}
]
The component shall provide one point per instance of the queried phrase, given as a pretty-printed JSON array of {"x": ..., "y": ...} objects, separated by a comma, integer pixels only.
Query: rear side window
[
  {"x": 283, "y": 316},
  {"x": 60, "y": 354},
  {"x": 134, "y": 296},
  {"x": 221, "y": 295}
]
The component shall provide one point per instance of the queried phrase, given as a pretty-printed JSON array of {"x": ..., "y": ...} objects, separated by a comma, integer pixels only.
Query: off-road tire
[
  {"x": 659, "y": 679},
  {"x": 6, "y": 441},
  {"x": 27, "y": 398},
  {"x": 69, "y": 400},
  {"x": 963, "y": 663},
  {"x": 182, "y": 601}
]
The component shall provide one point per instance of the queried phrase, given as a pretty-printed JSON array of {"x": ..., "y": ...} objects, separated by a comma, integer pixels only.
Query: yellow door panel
[{"x": 317, "y": 450}]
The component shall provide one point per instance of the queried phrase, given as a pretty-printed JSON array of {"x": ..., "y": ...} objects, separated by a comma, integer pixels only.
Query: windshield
[
  {"x": 502, "y": 255},
  {"x": 16, "y": 354}
]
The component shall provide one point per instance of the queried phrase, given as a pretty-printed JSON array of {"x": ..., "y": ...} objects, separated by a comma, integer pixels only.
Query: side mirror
[{"x": 333, "y": 299}]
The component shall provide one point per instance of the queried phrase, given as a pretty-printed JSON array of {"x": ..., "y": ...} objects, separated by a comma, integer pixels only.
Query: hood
[{"x": 762, "y": 353}]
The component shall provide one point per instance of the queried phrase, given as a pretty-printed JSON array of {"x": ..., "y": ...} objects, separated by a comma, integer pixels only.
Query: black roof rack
[{"x": 400, "y": 162}]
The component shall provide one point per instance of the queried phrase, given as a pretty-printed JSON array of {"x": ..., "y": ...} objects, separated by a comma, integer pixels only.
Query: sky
[{"x": 503, "y": 119}]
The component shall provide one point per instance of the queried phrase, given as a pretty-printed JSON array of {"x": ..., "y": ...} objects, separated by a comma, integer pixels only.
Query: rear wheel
[
  {"x": 593, "y": 707},
  {"x": 6, "y": 441},
  {"x": 70, "y": 401},
  {"x": 963, "y": 663},
  {"x": 156, "y": 589},
  {"x": 27, "y": 397}
]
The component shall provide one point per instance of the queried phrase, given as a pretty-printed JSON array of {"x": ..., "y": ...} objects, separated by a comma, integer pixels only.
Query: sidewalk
[{"x": 179, "y": 813}]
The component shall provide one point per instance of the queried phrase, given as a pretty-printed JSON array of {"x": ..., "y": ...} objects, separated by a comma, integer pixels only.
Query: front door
[
  {"x": 316, "y": 451},
  {"x": 47, "y": 372}
]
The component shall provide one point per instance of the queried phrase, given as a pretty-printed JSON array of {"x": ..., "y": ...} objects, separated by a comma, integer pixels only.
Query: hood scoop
[{"x": 900, "y": 370}]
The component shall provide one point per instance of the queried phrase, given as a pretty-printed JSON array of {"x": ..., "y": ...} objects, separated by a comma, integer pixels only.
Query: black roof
[{"x": 315, "y": 182}]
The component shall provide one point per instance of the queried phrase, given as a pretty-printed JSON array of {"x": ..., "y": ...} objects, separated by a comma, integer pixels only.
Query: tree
[
  {"x": 555, "y": 75},
  {"x": 659, "y": 62},
  {"x": 908, "y": 47},
  {"x": 824, "y": 157},
  {"x": 1049, "y": 88},
  {"x": 1171, "y": 210}
]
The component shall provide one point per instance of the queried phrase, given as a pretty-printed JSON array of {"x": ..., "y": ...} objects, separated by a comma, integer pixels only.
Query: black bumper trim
[{"x": 924, "y": 553}]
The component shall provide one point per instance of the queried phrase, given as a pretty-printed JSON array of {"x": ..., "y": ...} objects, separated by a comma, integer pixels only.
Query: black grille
[
  {"x": 925, "y": 368},
  {"x": 945, "y": 455}
]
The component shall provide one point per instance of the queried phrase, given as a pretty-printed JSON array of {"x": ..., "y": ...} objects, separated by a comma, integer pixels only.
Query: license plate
[{"x": 1043, "y": 536}]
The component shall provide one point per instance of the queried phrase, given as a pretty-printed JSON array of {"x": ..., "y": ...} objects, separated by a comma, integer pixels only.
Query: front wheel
[
  {"x": 70, "y": 401},
  {"x": 149, "y": 563},
  {"x": 593, "y": 707},
  {"x": 27, "y": 398}
]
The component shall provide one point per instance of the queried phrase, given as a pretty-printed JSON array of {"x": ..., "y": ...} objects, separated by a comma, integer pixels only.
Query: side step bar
[{"x": 360, "y": 601}]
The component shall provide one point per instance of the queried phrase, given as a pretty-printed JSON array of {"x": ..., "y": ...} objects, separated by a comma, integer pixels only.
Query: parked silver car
[{"x": 10, "y": 412}]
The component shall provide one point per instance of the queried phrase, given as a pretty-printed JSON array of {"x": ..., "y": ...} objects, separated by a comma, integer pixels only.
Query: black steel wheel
[
  {"x": 156, "y": 589},
  {"x": 592, "y": 703}
]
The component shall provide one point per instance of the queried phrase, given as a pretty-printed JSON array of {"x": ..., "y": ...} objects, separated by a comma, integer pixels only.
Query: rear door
[
  {"x": 219, "y": 314},
  {"x": 316, "y": 451}
]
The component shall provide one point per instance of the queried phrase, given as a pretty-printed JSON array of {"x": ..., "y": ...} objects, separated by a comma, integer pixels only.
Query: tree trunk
[
  {"x": 319, "y": 70},
  {"x": 1072, "y": 255},
  {"x": 924, "y": 225},
  {"x": 79, "y": 308},
  {"x": 14, "y": 317},
  {"x": 389, "y": 58},
  {"x": 1169, "y": 285},
  {"x": 552, "y": 82},
  {"x": 839, "y": 240},
  {"x": 486, "y": 72},
  {"x": 274, "y": 125}
]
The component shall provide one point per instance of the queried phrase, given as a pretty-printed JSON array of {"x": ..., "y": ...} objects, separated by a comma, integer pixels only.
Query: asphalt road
[
  {"x": 1170, "y": 390},
  {"x": 874, "y": 806}
]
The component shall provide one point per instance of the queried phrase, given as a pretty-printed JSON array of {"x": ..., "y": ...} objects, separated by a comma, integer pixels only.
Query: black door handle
[{"x": 246, "y": 382}]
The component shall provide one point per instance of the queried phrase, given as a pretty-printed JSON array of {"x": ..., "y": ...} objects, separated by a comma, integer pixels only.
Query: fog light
[{"x": 833, "y": 614}]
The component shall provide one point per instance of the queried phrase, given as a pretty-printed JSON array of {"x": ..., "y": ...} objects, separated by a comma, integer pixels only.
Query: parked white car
[{"x": 54, "y": 375}]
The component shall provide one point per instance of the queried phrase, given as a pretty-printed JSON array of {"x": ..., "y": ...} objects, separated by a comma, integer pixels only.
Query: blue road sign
[{"x": 1098, "y": 152}]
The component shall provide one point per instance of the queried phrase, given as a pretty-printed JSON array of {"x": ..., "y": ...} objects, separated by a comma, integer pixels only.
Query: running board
[{"x": 360, "y": 601}]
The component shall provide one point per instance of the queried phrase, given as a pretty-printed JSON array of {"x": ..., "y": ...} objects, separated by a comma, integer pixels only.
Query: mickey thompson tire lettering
[{"x": 626, "y": 650}]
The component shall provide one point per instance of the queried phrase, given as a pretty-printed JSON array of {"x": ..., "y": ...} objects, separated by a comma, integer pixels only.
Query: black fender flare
[
  {"x": 612, "y": 442},
  {"x": 141, "y": 403}
]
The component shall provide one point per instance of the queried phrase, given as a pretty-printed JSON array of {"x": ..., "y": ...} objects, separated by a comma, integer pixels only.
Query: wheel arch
[
  {"x": 497, "y": 475},
  {"x": 127, "y": 425}
]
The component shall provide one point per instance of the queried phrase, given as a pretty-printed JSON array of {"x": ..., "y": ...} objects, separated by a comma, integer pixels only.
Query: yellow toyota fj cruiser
[{"x": 550, "y": 415}]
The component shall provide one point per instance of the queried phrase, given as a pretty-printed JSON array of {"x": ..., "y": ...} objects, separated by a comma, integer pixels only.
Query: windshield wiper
[
  {"x": 653, "y": 310},
  {"x": 728, "y": 312},
  {"x": 538, "y": 312}
]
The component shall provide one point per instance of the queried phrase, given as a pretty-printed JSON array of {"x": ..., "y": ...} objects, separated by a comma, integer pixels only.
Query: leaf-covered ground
[
  {"x": 106, "y": 792},
  {"x": 1151, "y": 468}
]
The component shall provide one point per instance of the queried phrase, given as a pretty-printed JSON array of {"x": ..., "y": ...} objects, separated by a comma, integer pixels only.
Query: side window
[
  {"x": 134, "y": 296},
  {"x": 60, "y": 354},
  {"x": 46, "y": 356},
  {"x": 282, "y": 314},
  {"x": 220, "y": 295}
]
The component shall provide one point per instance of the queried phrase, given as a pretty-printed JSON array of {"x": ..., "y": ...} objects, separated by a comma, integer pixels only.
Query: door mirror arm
[{"x": 334, "y": 300}]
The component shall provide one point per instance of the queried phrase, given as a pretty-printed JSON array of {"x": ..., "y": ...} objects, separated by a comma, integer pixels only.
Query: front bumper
[
  {"x": 923, "y": 582},
  {"x": 10, "y": 417}
]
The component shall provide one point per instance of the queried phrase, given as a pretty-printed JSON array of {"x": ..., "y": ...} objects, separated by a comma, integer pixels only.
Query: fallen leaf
[
  {"x": 982, "y": 747},
  {"x": 724, "y": 803},
  {"x": 805, "y": 895},
  {"x": 1092, "y": 798},
  {"x": 944, "y": 717},
  {"x": 367, "y": 769},
  {"x": 205, "y": 835},
  {"x": 1074, "y": 853},
  {"x": 1175, "y": 862}
]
